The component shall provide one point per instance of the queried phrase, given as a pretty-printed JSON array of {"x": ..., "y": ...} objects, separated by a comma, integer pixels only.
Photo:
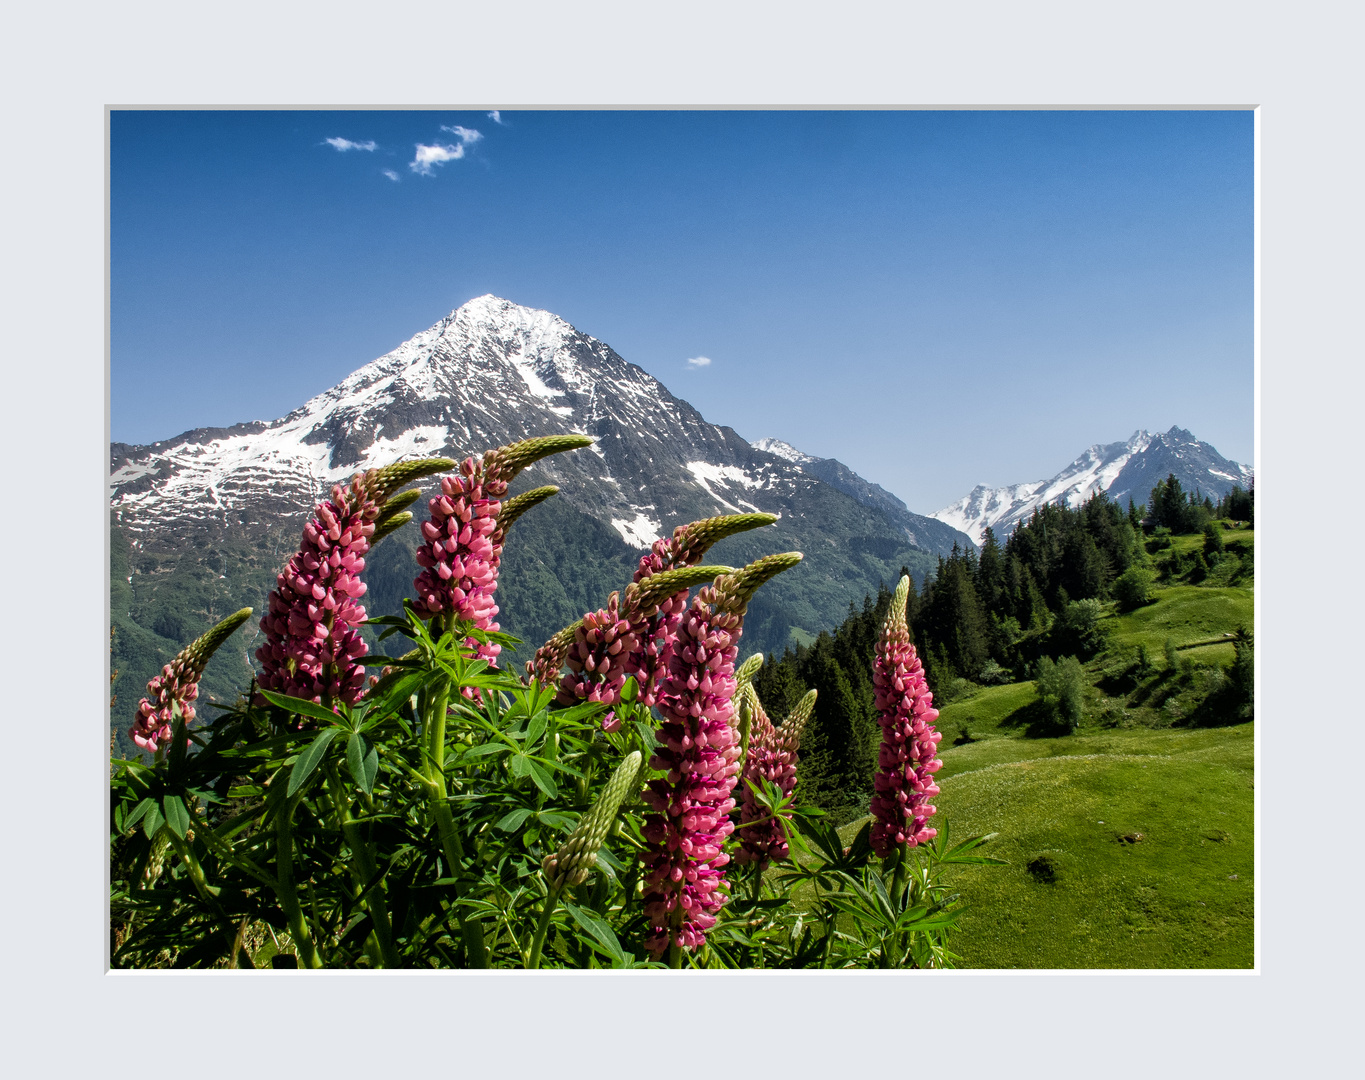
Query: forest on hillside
[{"x": 1031, "y": 608}]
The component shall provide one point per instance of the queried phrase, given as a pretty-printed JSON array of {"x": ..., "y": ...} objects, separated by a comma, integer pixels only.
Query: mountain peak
[{"x": 1123, "y": 470}]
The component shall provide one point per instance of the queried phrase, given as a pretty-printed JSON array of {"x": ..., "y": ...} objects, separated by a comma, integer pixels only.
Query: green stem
[
  {"x": 289, "y": 897},
  {"x": 470, "y": 929},
  {"x": 369, "y": 892},
  {"x": 208, "y": 893},
  {"x": 675, "y": 956},
  {"x": 538, "y": 942}
]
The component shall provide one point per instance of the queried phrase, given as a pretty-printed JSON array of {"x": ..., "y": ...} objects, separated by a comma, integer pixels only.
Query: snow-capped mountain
[
  {"x": 1123, "y": 470},
  {"x": 923, "y": 532},
  {"x": 206, "y": 519}
]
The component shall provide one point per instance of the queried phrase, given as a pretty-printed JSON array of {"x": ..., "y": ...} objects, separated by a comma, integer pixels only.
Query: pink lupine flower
[
  {"x": 179, "y": 683},
  {"x": 907, "y": 759},
  {"x": 772, "y": 756},
  {"x": 683, "y": 863},
  {"x": 460, "y": 552},
  {"x": 312, "y": 646},
  {"x": 655, "y": 635},
  {"x": 464, "y": 536},
  {"x": 602, "y": 641},
  {"x": 600, "y": 644}
]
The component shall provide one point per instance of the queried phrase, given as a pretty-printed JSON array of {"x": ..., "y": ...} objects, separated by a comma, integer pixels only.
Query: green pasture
[
  {"x": 1188, "y": 614},
  {"x": 1130, "y": 849}
]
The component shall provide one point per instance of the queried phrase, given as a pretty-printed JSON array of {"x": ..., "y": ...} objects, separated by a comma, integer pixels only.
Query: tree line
[{"x": 1010, "y": 612}]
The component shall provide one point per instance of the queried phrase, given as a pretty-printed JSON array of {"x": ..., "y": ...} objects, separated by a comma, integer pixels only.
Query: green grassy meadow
[{"x": 1130, "y": 842}]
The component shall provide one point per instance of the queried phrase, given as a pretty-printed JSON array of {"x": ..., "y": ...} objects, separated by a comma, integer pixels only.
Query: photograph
[{"x": 715, "y": 539}]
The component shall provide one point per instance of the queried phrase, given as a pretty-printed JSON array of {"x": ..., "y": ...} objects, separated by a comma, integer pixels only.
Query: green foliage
[
  {"x": 1133, "y": 588},
  {"x": 1061, "y": 687}
]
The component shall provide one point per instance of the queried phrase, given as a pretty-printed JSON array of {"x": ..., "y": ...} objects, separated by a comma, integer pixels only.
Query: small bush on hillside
[
  {"x": 1213, "y": 539},
  {"x": 1061, "y": 687},
  {"x": 1172, "y": 657},
  {"x": 1078, "y": 631},
  {"x": 1133, "y": 588},
  {"x": 992, "y": 674}
]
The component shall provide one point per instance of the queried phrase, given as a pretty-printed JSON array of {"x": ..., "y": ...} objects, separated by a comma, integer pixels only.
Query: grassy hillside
[
  {"x": 1129, "y": 849},
  {"x": 1129, "y": 842}
]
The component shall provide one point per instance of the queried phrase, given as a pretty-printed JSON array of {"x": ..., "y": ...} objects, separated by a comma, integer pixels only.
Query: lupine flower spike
[
  {"x": 771, "y": 755},
  {"x": 683, "y": 863},
  {"x": 907, "y": 760},
  {"x": 179, "y": 683},
  {"x": 312, "y": 648},
  {"x": 463, "y": 537},
  {"x": 571, "y": 864},
  {"x": 689, "y": 543},
  {"x": 604, "y": 641}
]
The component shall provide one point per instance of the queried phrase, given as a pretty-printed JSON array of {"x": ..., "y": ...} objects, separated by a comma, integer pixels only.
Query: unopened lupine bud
[
  {"x": 517, "y": 505},
  {"x": 687, "y": 546},
  {"x": 178, "y": 683},
  {"x": 684, "y": 876},
  {"x": 907, "y": 760},
  {"x": 576, "y": 857}
]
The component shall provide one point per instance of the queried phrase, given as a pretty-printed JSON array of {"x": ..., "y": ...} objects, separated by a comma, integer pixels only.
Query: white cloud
[
  {"x": 698, "y": 361},
  {"x": 428, "y": 156},
  {"x": 391, "y": 175},
  {"x": 464, "y": 134},
  {"x": 347, "y": 144},
  {"x": 495, "y": 116}
]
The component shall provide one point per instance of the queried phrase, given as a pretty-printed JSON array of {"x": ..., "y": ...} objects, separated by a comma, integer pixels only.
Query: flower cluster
[
  {"x": 312, "y": 646},
  {"x": 656, "y": 633},
  {"x": 460, "y": 556},
  {"x": 771, "y": 756},
  {"x": 178, "y": 683},
  {"x": 597, "y": 660},
  {"x": 907, "y": 758},
  {"x": 684, "y": 873},
  {"x": 463, "y": 538}
]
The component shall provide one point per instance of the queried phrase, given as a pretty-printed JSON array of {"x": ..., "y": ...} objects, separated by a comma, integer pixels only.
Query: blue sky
[{"x": 938, "y": 299}]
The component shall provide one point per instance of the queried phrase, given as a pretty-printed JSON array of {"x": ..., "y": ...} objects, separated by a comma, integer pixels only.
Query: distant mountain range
[
  {"x": 201, "y": 523},
  {"x": 1123, "y": 470}
]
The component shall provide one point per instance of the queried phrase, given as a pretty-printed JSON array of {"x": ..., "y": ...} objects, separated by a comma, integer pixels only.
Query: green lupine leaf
[
  {"x": 300, "y": 707},
  {"x": 600, "y": 931},
  {"x": 520, "y": 765},
  {"x": 310, "y": 759},
  {"x": 364, "y": 767},
  {"x": 485, "y": 750},
  {"x": 138, "y": 811},
  {"x": 542, "y": 779},
  {"x": 152, "y": 820},
  {"x": 513, "y": 821},
  {"x": 536, "y": 728},
  {"x": 177, "y": 815}
]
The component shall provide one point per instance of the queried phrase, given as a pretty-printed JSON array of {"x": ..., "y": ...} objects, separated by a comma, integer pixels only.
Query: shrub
[
  {"x": 1061, "y": 687},
  {"x": 1133, "y": 588}
]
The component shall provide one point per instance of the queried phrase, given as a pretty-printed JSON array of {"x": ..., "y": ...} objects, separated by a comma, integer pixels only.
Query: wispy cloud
[
  {"x": 464, "y": 134},
  {"x": 698, "y": 361},
  {"x": 430, "y": 156},
  {"x": 495, "y": 116},
  {"x": 391, "y": 175},
  {"x": 347, "y": 144}
]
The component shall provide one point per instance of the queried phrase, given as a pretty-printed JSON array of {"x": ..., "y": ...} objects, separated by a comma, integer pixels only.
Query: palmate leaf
[{"x": 601, "y": 933}]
